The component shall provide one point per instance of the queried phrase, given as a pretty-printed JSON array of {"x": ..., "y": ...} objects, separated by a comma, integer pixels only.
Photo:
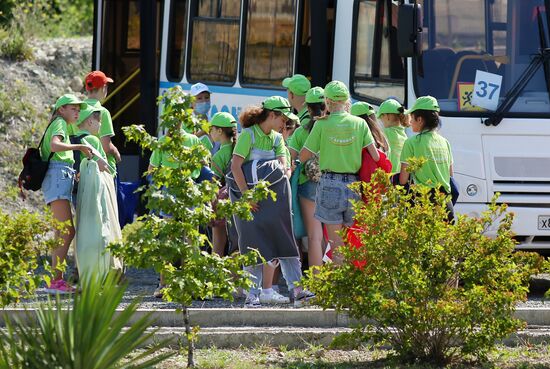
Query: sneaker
[
  {"x": 302, "y": 298},
  {"x": 252, "y": 301},
  {"x": 60, "y": 287},
  {"x": 273, "y": 299},
  {"x": 159, "y": 292}
]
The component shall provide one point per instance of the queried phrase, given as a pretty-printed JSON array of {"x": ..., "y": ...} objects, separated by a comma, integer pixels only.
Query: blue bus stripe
[{"x": 229, "y": 90}]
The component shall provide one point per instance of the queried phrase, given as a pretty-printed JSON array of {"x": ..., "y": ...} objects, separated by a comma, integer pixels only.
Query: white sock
[{"x": 267, "y": 291}]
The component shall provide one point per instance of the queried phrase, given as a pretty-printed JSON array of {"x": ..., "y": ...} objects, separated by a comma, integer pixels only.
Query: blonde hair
[{"x": 333, "y": 105}]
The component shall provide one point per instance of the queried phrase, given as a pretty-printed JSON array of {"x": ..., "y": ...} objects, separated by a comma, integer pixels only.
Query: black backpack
[{"x": 34, "y": 168}]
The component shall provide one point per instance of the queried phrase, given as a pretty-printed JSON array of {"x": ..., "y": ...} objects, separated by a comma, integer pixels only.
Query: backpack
[{"x": 34, "y": 168}]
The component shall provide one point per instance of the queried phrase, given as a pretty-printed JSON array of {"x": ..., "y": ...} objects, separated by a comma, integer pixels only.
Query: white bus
[{"x": 242, "y": 49}]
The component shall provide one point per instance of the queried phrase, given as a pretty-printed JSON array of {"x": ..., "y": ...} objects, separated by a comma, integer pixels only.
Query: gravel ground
[{"x": 142, "y": 284}]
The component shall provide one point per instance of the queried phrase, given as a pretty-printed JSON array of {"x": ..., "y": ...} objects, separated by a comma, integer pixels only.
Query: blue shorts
[
  {"x": 58, "y": 182},
  {"x": 332, "y": 200},
  {"x": 307, "y": 190}
]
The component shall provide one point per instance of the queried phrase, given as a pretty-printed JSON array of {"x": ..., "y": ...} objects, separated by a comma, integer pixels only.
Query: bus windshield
[{"x": 463, "y": 38}]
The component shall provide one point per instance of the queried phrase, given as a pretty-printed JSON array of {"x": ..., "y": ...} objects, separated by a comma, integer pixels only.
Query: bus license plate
[{"x": 544, "y": 222}]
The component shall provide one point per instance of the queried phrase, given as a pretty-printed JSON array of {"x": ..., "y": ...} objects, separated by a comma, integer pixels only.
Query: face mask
[{"x": 202, "y": 107}]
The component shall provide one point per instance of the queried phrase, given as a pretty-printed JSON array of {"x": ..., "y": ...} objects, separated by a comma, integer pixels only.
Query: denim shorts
[
  {"x": 58, "y": 182},
  {"x": 332, "y": 200},
  {"x": 307, "y": 190}
]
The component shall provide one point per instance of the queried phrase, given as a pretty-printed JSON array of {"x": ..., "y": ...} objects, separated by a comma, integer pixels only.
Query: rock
[{"x": 76, "y": 84}]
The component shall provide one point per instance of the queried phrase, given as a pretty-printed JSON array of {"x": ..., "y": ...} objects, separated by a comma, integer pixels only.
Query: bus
[{"x": 483, "y": 60}]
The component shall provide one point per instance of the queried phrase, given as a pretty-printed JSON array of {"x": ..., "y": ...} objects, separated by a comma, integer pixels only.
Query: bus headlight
[{"x": 471, "y": 190}]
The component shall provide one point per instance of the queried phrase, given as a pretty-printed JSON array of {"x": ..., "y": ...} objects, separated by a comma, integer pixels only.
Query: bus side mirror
[{"x": 409, "y": 34}]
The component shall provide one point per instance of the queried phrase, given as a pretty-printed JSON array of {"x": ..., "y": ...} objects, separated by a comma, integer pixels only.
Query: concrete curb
[{"x": 237, "y": 317}]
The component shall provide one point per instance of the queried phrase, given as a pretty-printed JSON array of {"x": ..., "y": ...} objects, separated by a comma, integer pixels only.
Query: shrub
[
  {"x": 172, "y": 244},
  {"x": 435, "y": 291},
  {"x": 89, "y": 335},
  {"x": 23, "y": 237}
]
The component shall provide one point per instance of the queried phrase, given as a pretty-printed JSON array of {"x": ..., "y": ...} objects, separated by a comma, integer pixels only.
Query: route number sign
[{"x": 487, "y": 90}]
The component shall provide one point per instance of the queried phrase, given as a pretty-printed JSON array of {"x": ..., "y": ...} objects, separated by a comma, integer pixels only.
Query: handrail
[
  {"x": 126, "y": 106},
  {"x": 119, "y": 87}
]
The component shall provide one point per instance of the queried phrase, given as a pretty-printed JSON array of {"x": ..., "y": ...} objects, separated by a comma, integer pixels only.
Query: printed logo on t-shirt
[{"x": 342, "y": 137}]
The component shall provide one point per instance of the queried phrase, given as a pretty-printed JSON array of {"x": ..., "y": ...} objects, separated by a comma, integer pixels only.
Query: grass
[{"x": 316, "y": 357}]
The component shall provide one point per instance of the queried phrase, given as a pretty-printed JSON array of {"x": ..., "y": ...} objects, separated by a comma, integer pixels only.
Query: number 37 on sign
[{"x": 487, "y": 90}]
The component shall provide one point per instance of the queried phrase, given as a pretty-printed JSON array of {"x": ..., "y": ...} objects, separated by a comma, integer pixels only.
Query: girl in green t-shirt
[
  {"x": 58, "y": 182},
  {"x": 258, "y": 147},
  {"x": 392, "y": 114},
  {"x": 428, "y": 144},
  {"x": 224, "y": 131},
  {"x": 364, "y": 110},
  {"x": 307, "y": 188}
]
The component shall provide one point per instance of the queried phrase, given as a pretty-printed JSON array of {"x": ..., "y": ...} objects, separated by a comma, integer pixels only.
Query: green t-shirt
[
  {"x": 303, "y": 115},
  {"x": 437, "y": 150},
  {"x": 93, "y": 141},
  {"x": 221, "y": 160},
  {"x": 57, "y": 128},
  {"x": 163, "y": 158},
  {"x": 106, "y": 128},
  {"x": 296, "y": 143},
  {"x": 261, "y": 141},
  {"x": 396, "y": 138},
  {"x": 339, "y": 139},
  {"x": 205, "y": 140}
]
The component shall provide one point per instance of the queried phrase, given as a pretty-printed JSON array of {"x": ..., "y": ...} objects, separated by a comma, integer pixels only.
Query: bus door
[
  {"x": 315, "y": 42},
  {"x": 117, "y": 52}
]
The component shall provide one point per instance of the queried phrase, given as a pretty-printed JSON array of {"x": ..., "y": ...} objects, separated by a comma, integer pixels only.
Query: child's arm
[
  {"x": 57, "y": 145},
  {"x": 404, "y": 175},
  {"x": 373, "y": 152}
]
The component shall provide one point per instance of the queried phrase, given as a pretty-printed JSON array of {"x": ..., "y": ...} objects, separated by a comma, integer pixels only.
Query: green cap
[
  {"x": 315, "y": 95},
  {"x": 362, "y": 108},
  {"x": 69, "y": 99},
  {"x": 424, "y": 103},
  {"x": 85, "y": 113},
  {"x": 390, "y": 106},
  {"x": 279, "y": 103},
  {"x": 224, "y": 120},
  {"x": 298, "y": 84},
  {"x": 336, "y": 91}
]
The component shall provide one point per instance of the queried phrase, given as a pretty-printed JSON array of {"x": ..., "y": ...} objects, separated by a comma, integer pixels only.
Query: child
[
  {"x": 392, "y": 114},
  {"x": 307, "y": 188},
  {"x": 364, "y": 110},
  {"x": 339, "y": 139},
  {"x": 427, "y": 143},
  {"x": 96, "y": 87},
  {"x": 260, "y": 154},
  {"x": 223, "y": 129},
  {"x": 162, "y": 158},
  {"x": 96, "y": 208},
  {"x": 58, "y": 182}
]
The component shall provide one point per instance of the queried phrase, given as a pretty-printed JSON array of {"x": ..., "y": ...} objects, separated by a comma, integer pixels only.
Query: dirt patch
[{"x": 28, "y": 89}]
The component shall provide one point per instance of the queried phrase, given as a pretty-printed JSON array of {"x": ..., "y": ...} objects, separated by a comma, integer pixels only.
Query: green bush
[
  {"x": 435, "y": 291},
  {"x": 89, "y": 335},
  {"x": 23, "y": 238},
  {"x": 172, "y": 244}
]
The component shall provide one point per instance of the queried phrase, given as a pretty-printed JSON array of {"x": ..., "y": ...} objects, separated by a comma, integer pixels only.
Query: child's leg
[
  {"x": 61, "y": 210},
  {"x": 335, "y": 241},
  {"x": 256, "y": 276},
  {"x": 267, "y": 276},
  {"x": 219, "y": 239},
  {"x": 314, "y": 232},
  {"x": 292, "y": 272},
  {"x": 276, "y": 277}
]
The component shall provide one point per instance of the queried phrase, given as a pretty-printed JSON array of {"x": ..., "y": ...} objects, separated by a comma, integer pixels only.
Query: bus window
[
  {"x": 378, "y": 70},
  {"x": 214, "y": 41},
  {"x": 269, "y": 42},
  {"x": 176, "y": 40},
  {"x": 133, "y": 37}
]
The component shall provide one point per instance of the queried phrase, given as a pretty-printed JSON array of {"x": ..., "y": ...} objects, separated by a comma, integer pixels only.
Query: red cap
[{"x": 96, "y": 79}]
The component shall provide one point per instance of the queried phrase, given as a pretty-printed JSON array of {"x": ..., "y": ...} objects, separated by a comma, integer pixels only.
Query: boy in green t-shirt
[
  {"x": 96, "y": 87},
  {"x": 88, "y": 124}
]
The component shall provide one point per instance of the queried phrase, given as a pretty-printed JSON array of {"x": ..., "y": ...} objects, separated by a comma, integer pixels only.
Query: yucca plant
[{"x": 87, "y": 335}]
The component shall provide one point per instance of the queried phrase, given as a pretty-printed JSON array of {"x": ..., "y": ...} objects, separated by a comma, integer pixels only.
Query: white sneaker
[
  {"x": 252, "y": 301},
  {"x": 302, "y": 298},
  {"x": 273, "y": 299}
]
